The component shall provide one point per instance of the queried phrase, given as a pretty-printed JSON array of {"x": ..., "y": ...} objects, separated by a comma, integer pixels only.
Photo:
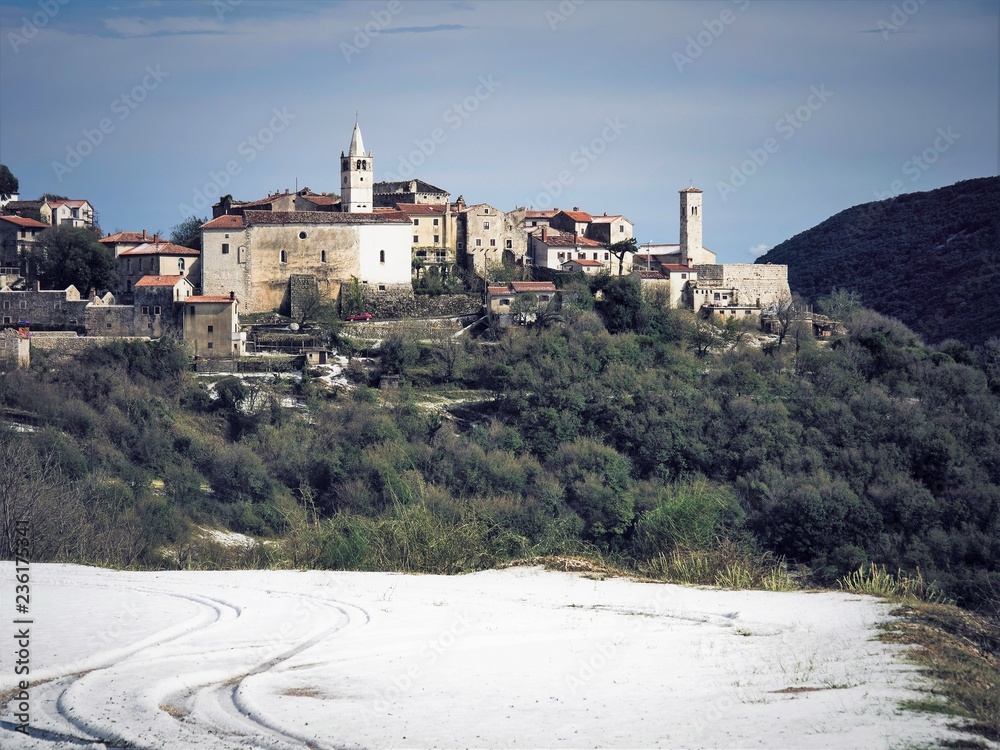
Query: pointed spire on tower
[{"x": 357, "y": 145}]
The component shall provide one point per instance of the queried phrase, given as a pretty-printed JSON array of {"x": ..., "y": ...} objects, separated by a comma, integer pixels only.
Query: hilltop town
[{"x": 373, "y": 250}]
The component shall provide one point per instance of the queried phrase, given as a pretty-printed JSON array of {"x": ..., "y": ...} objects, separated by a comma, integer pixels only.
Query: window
[
  {"x": 562, "y": 256},
  {"x": 107, "y": 325},
  {"x": 581, "y": 256},
  {"x": 6, "y": 304},
  {"x": 479, "y": 242},
  {"x": 543, "y": 297},
  {"x": 436, "y": 222},
  {"x": 505, "y": 302},
  {"x": 510, "y": 244},
  {"x": 607, "y": 256},
  {"x": 6, "y": 319},
  {"x": 416, "y": 239},
  {"x": 486, "y": 225},
  {"x": 322, "y": 256},
  {"x": 226, "y": 235},
  {"x": 22, "y": 305},
  {"x": 595, "y": 256},
  {"x": 209, "y": 344},
  {"x": 225, "y": 248},
  {"x": 460, "y": 244},
  {"x": 145, "y": 309},
  {"x": 717, "y": 295},
  {"x": 381, "y": 287},
  {"x": 180, "y": 265},
  {"x": 128, "y": 265},
  {"x": 239, "y": 254},
  {"x": 684, "y": 275},
  {"x": 493, "y": 243},
  {"x": 156, "y": 310},
  {"x": 416, "y": 222},
  {"x": 302, "y": 235},
  {"x": 694, "y": 210},
  {"x": 534, "y": 223},
  {"x": 621, "y": 228},
  {"x": 140, "y": 264},
  {"x": 381, "y": 256},
  {"x": 211, "y": 329},
  {"x": 437, "y": 237},
  {"x": 283, "y": 257}
]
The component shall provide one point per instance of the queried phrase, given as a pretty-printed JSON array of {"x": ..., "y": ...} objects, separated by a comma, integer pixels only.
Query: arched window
[
  {"x": 180, "y": 264},
  {"x": 283, "y": 256},
  {"x": 364, "y": 165},
  {"x": 322, "y": 256},
  {"x": 359, "y": 163},
  {"x": 381, "y": 256}
]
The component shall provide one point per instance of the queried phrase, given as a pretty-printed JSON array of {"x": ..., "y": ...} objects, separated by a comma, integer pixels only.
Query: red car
[{"x": 362, "y": 317}]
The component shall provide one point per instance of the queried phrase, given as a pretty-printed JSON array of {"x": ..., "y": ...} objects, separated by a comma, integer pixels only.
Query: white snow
[{"x": 512, "y": 658}]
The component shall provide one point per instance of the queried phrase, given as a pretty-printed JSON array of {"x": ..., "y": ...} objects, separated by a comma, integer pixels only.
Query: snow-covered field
[{"x": 512, "y": 658}]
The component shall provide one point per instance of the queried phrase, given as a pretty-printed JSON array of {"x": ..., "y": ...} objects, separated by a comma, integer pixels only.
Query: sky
[{"x": 783, "y": 112}]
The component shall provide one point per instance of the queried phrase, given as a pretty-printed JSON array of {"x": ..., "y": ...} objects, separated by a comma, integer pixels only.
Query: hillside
[{"x": 930, "y": 259}]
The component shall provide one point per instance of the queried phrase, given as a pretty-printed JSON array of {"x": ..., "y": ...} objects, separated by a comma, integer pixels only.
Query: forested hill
[{"x": 930, "y": 259}]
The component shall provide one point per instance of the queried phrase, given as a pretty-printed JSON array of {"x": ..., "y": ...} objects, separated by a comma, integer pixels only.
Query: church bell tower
[
  {"x": 690, "y": 226},
  {"x": 356, "y": 177}
]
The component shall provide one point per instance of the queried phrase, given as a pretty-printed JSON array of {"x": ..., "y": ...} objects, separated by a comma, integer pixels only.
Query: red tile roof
[
  {"x": 123, "y": 237},
  {"x": 579, "y": 215},
  {"x": 70, "y": 203},
  {"x": 323, "y": 217},
  {"x": 498, "y": 290},
  {"x": 21, "y": 221},
  {"x": 421, "y": 209},
  {"x": 214, "y": 299},
  {"x": 227, "y": 221},
  {"x": 158, "y": 281},
  {"x": 607, "y": 219},
  {"x": 584, "y": 262},
  {"x": 532, "y": 286},
  {"x": 161, "y": 248},
  {"x": 547, "y": 214},
  {"x": 565, "y": 239},
  {"x": 675, "y": 267}
]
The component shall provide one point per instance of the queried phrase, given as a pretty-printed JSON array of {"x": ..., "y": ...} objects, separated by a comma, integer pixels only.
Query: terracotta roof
[
  {"x": 497, "y": 290},
  {"x": 579, "y": 215},
  {"x": 322, "y": 200},
  {"x": 421, "y": 209},
  {"x": 675, "y": 267},
  {"x": 211, "y": 299},
  {"x": 70, "y": 203},
  {"x": 161, "y": 248},
  {"x": 323, "y": 217},
  {"x": 21, "y": 221},
  {"x": 227, "y": 221},
  {"x": 532, "y": 286},
  {"x": 606, "y": 219},
  {"x": 565, "y": 239},
  {"x": 136, "y": 237},
  {"x": 583, "y": 262},
  {"x": 158, "y": 281},
  {"x": 548, "y": 214},
  {"x": 642, "y": 273}
]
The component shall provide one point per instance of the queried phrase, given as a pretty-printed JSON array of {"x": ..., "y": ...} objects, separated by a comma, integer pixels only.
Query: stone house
[
  {"x": 212, "y": 326},
  {"x": 435, "y": 231},
  {"x": 585, "y": 265},
  {"x": 158, "y": 303},
  {"x": 121, "y": 241},
  {"x": 604, "y": 229},
  {"x": 158, "y": 258},
  {"x": 18, "y": 234},
  {"x": 500, "y": 300},
  {"x": 69, "y": 213},
  {"x": 302, "y": 200},
  {"x": 550, "y": 248},
  {"x": 678, "y": 282},
  {"x": 487, "y": 235}
]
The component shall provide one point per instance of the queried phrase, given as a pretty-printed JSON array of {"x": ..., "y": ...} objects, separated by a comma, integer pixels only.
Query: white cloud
[{"x": 758, "y": 250}]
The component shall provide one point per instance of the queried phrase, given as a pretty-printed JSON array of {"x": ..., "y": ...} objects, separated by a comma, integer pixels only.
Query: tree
[
  {"x": 8, "y": 183},
  {"x": 787, "y": 311},
  {"x": 621, "y": 249},
  {"x": 840, "y": 304},
  {"x": 65, "y": 255},
  {"x": 188, "y": 233}
]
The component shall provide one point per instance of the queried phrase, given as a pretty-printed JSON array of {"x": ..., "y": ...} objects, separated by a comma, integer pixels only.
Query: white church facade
[{"x": 256, "y": 253}]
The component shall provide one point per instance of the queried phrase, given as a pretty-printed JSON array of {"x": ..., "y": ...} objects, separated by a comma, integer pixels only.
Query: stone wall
[
  {"x": 753, "y": 283},
  {"x": 67, "y": 345},
  {"x": 303, "y": 293},
  {"x": 44, "y": 308},
  {"x": 400, "y": 302},
  {"x": 115, "y": 320},
  {"x": 15, "y": 351}
]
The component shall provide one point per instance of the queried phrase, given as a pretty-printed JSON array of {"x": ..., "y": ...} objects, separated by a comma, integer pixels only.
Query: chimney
[
  {"x": 576, "y": 208},
  {"x": 143, "y": 235},
  {"x": 232, "y": 295},
  {"x": 543, "y": 233}
]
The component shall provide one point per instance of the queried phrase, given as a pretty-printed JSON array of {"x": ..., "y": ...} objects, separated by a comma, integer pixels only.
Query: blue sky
[{"x": 784, "y": 113}]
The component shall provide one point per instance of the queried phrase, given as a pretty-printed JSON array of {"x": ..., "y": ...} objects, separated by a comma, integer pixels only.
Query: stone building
[
  {"x": 550, "y": 248},
  {"x": 302, "y": 200},
  {"x": 158, "y": 304},
  {"x": 435, "y": 231},
  {"x": 487, "y": 235},
  {"x": 157, "y": 258},
  {"x": 255, "y": 253},
  {"x": 604, "y": 229},
  {"x": 212, "y": 326},
  {"x": 500, "y": 300},
  {"x": 69, "y": 213},
  {"x": 18, "y": 235},
  {"x": 119, "y": 242},
  {"x": 388, "y": 194}
]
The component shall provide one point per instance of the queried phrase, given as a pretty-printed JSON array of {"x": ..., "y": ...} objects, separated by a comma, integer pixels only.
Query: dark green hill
[{"x": 930, "y": 259}]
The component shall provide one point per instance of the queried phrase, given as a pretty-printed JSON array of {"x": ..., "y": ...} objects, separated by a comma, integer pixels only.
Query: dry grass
[
  {"x": 960, "y": 652},
  {"x": 570, "y": 564}
]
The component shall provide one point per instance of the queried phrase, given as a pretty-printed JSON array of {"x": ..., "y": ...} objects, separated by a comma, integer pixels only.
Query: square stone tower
[{"x": 690, "y": 226}]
